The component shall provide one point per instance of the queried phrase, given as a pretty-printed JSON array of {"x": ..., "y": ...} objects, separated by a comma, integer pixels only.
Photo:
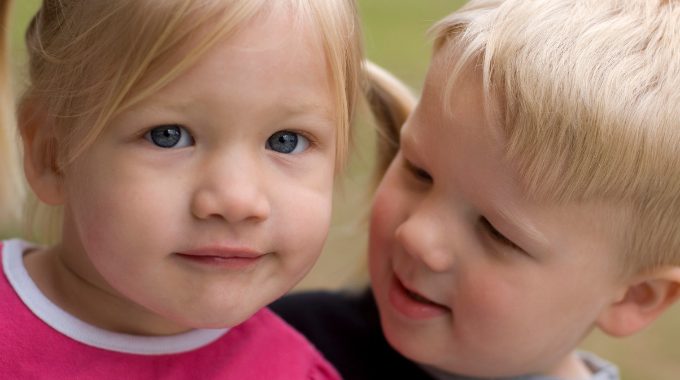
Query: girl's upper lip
[{"x": 223, "y": 251}]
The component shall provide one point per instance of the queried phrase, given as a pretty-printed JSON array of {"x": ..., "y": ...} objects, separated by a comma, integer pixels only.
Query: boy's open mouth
[{"x": 419, "y": 298}]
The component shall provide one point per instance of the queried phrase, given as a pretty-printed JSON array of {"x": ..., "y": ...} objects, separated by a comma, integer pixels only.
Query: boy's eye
[
  {"x": 169, "y": 136},
  {"x": 496, "y": 235},
  {"x": 287, "y": 142},
  {"x": 417, "y": 172}
]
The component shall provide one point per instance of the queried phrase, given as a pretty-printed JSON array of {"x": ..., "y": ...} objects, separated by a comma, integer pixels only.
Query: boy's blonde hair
[
  {"x": 11, "y": 193},
  {"x": 90, "y": 60},
  {"x": 590, "y": 104}
]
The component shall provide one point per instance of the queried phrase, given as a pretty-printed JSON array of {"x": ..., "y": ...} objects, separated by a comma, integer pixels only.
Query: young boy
[{"x": 535, "y": 195}]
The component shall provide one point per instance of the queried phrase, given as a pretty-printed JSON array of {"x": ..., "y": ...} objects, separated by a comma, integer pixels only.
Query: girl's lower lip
[
  {"x": 221, "y": 262},
  {"x": 409, "y": 307}
]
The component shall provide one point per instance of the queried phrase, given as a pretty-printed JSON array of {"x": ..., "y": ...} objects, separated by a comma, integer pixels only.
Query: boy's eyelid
[
  {"x": 415, "y": 170},
  {"x": 502, "y": 237}
]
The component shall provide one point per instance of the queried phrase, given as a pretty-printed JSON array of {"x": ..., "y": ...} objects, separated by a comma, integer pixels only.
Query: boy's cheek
[{"x": 383, "y": 220}]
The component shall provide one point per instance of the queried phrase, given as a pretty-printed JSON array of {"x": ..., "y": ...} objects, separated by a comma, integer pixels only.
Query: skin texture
[
  {"x": 516, "y": 282},
  {"x": 135, "y": 213}
]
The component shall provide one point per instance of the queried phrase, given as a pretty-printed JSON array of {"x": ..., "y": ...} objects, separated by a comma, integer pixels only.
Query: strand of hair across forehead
[
  {"x": 127, "y": 97},
  {"x": 55, "y": 37},
  {"x": 339, "y": 29}
]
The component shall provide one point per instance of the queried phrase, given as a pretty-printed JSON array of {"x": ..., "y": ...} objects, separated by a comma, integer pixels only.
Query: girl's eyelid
[
  {"x": 311, "y": 137},
  {"x": 314, "y": 142},
  {"x": 143, "y": 130}
]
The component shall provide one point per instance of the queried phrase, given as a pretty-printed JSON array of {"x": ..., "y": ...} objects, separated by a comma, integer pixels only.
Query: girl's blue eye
[
  {"x": 170, "y": 136},
  {"x": 287, "y": 142}
]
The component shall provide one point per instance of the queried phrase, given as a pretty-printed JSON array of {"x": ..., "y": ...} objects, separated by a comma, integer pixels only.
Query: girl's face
[
  {"x": 211, "y": 198},
  {"x": 470, "y": 275}
]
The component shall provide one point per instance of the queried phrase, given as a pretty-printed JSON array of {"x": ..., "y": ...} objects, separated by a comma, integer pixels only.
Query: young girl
[
  {"x": 10, "y": 184},
  {"x": 533, "y": 198},
  {"x": 192, "y": 147}
]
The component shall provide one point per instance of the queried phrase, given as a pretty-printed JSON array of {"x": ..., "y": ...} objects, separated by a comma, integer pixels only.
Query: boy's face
[
  {"x": 470, "y": 275},
  {"x": 211, "y": 198}
]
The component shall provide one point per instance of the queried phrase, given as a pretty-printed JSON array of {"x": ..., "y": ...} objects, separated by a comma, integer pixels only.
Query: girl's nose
[
  {"x": 420, "y": 238},
  {"x": 232, "y": 193}
]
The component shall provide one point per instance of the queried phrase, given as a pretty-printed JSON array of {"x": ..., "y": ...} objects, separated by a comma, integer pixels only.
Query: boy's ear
[
  {"x": 40, "y": 153},
  {"x": 643, "y": 301}
]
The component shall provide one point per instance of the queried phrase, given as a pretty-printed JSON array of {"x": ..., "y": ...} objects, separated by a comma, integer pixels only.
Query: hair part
[{"x": 588, "y": 102}]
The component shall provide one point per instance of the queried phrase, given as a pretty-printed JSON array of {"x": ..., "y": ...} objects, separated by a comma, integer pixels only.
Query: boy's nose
[
  {"x": 420, "y": 240},
  {"x": 235, "y": 195}
]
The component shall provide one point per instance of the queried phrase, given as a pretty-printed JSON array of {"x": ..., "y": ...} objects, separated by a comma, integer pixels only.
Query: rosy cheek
[
  {"x": 382, "y": 218},
  {"x": 488, "y": 296},
  {"x": 380, "y": 235}
]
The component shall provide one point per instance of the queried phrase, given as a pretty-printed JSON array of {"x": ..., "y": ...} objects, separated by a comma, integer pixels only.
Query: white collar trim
[{"x": 74, "y": 328}]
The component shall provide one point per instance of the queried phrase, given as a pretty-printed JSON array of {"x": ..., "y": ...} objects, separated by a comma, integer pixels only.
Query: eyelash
[
  {"x": 311, "y": 138},
  {"x": 496, "y": 235},
  {"x": 417, "y": 172}
]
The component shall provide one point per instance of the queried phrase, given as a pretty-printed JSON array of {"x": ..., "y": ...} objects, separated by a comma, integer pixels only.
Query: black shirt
[{"x": 345, "y": 327}]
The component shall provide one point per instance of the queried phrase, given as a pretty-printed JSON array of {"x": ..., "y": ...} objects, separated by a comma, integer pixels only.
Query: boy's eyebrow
[{"x": 407, "y": 143}]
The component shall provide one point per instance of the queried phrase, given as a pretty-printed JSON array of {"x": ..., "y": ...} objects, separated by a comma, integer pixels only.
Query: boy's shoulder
[
  {"x": 345, "y": 327},
  {"x": 601, "y": 369}
]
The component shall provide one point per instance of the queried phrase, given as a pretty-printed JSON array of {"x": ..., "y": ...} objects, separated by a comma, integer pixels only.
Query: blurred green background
[{"x": 395, "y": 38}]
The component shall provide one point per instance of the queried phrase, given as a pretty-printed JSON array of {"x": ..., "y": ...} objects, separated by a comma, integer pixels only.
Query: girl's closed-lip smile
[{"x": 223, "y": 257}]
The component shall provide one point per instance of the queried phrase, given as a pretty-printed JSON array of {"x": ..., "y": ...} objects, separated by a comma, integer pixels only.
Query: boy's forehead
[
  {"x": 453, "y": 128},
  {"x": 455, "y": 94}
]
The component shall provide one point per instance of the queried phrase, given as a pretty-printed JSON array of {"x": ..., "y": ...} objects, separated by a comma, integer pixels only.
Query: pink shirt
[{"x": 40, "y": 341}]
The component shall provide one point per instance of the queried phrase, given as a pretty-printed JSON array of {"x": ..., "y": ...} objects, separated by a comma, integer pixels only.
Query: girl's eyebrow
[
  {"x": 308, "y": 107},
  {"x": 311, "y": 110}
]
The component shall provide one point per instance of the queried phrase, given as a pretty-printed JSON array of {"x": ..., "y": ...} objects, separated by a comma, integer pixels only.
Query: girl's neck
[{"x": 91, "y": 300}]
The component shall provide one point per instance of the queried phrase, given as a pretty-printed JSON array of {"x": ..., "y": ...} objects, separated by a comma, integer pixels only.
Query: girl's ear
[
  {"x": 643, "y": 301},
  {"x": 40, "y": 153}
]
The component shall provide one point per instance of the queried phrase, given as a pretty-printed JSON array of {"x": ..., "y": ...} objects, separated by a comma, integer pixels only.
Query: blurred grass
[{"x": 395, "y": 37}]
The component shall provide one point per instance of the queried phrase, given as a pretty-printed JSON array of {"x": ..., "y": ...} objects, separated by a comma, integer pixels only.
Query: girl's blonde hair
[
  {"x": 590, "y": 104},
  {"x": 390, "y": 102},
  {"x": 90, "y": 60},
  {"x": 11, "y": 185}
]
